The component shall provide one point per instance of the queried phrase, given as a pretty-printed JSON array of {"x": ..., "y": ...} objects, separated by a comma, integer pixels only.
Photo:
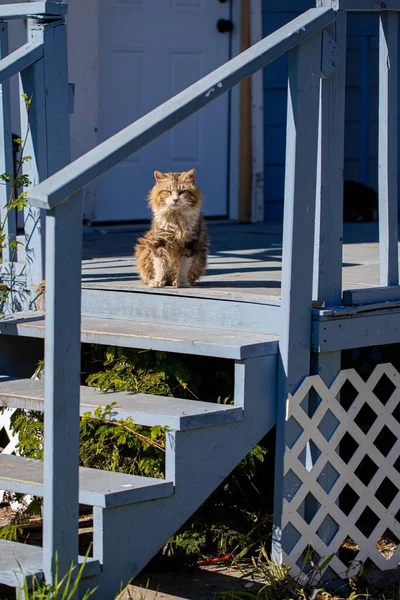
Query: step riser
[{"x": 181, "y": 310}]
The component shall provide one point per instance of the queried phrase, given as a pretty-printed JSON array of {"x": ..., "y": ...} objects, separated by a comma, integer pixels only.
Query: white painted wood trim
[
  {"x": 234, "y": 141},
  {"x": 257, "y": 120}
]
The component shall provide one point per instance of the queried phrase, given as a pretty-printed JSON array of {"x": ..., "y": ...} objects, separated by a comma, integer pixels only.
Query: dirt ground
[{"x": 200, "y": 583}]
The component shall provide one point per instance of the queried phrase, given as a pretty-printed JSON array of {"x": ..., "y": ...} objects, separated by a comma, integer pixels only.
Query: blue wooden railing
[{"x": 312, "y": 236}]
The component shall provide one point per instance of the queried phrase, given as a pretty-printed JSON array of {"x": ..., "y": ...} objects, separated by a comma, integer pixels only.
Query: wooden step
[
  {"x": 20, "y": 561},
  {"x": 96, "y": 488},
  {"x": 144, "y": 409},
  {"x": 153, "y": 336},
  {"x": 189, "y": 307}
]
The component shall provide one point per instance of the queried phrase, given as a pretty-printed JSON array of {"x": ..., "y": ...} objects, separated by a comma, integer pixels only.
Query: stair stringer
[{"x": 198, "y": 460}]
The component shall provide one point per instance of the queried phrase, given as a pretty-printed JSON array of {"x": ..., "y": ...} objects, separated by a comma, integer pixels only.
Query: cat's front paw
[
  {"x": 155, "y": 283},
  {"x": 181, "y": 284}
]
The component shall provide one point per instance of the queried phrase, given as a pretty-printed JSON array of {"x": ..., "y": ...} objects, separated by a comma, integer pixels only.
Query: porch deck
[{"x": 244, "y": 261}]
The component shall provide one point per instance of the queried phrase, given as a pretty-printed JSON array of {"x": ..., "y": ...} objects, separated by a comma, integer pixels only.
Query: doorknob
[{"x": 224, "y": 25}]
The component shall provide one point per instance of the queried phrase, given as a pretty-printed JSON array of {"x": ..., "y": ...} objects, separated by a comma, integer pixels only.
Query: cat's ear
[
  {"x": 190, "y": 175},
  {"x": 158, "y": 176}
]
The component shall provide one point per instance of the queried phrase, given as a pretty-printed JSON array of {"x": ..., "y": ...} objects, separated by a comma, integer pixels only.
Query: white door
[{"x": 149, "y": 51}]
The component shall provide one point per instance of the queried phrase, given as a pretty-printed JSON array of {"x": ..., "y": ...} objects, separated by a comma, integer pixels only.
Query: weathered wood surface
[
  {"x": 213, "y": 451},
  {"x": 14, "y": 555},
  {"x": 144, "y": 409},
  {"x": 387, "y": 150},
  {"x": 20, "y": 59},
  {"x": 363, "y": 5},
  {"x": 329, "y": 205},
  {"x": 102, "y": 158},
  {"x": 357, "y": 330},
  {"x": 96, "y": 488},
  {"x": 18, "y": 561},
  {"x": 188, "y": 340},
  {"x": 32, "y": 9},
  {"x": 6, "y": 160},
  {"x": 371, "y": 295},
  {"x": 138, "y": 304},
  {"x": 298, "y": 250}
]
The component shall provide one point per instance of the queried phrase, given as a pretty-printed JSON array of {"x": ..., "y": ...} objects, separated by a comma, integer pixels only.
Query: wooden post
[
  {"x": 6, "y": 155},
  {"x": 298, "y": 247},
  {"x": 62, "y": 380},
  {"x": 388, "y": 140},
  {"x": 46, "y": 82},
  {"x": 329, "y": 206}
]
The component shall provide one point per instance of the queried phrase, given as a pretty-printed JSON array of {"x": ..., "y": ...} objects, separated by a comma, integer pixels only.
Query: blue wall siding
[
  {"x": 361, "y": 113},
  {"x": 275, "y": 103}
]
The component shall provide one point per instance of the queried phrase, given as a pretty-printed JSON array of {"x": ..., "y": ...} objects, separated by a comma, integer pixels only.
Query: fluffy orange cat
[{"x": 174, "y": 251}]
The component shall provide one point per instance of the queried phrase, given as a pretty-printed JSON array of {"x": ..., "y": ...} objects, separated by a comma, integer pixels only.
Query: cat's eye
[{"x": 181, "y": 192}]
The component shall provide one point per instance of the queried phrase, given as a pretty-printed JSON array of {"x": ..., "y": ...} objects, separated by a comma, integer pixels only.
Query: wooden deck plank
[
  {"x": 186, "y": 340},
  {"x": 244, "y": 264},
  {"x": 21, "y": 560},
  {"x": 144, "y": 409},
  {"x": 105, "y": 489}
]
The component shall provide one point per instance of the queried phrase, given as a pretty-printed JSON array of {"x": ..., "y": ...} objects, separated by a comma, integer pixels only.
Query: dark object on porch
[{"x": 360, "y": 202}]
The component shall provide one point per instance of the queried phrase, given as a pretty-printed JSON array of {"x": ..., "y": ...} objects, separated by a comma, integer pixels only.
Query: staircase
[
  {"x": 204, "y": 443},
  {"x": 135, "y": 516}
]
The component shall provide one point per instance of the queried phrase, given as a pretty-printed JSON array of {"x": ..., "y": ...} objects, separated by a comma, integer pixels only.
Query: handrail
[
  {"x": 20, "y": 59},
  {"x": 60, "y": 186},
  {"x": 33, "y": 9}
]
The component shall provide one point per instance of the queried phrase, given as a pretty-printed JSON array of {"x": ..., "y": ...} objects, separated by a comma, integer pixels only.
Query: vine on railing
[{"x": 17, "y": 200}]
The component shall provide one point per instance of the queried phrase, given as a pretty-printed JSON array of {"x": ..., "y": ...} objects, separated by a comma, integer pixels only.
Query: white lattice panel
[
  {"x": 9, "y": 440},
  {"x": 342, "y": 470}
]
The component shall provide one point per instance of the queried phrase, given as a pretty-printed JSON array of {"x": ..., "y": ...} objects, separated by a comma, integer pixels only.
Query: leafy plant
[
  {"x": 13, "y": 530},
  {"x": 235, "y": 518},
  {"x": 62, "y": 589},
  {"x": 275, "y": 582},
  {"x": 17, "y": 200}
]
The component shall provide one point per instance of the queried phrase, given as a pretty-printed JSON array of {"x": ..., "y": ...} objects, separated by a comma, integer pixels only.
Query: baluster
[{"x": 387, "y": 162}]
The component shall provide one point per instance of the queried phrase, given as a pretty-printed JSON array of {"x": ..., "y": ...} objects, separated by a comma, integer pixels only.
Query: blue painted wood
[
  {"x": 188, "y": 340},
  {"x": 356, "y": 329},
  {"x": 197, "y": 461},
  {"x": 329, "y": 209},
  {"x": 6, "y": 157},
  {"x": 361, "y": 5},
  {"x": 371, "y": 295},
  {"x": 31, "y": 9},
  {"x": 329, "y": 205},
  {"x": 106, "y": 489},
  {"x": 173, "y": 309},
  {"x": 79, "y": 173},
  {"x": 46, "y": 82},
  {"x": 144, "y": 409},
  {"x": 20, "y": 59},
  {"x": 298, "y": 245},
  {"x": 62, "y": 380},
  {"x": 33, "y": 85},
  {"x": 388, "y": 153},
  {"x": 14, "y": 555}
]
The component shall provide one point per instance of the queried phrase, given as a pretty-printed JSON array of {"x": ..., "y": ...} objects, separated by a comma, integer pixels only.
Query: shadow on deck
[{"x": 245, "y": 261}]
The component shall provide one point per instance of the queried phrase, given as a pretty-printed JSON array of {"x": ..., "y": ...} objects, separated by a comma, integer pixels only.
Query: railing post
[
  {"x": 46, "y": 81},
  {"x": 6, "y": 153},
  {"x": 329, "y": 205},
  {"x": 62, "y": 380},
  {"x": 49, "y": 144},
  {"x": 388, "y": 139},
  {"x": 298, "y": 248}
]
